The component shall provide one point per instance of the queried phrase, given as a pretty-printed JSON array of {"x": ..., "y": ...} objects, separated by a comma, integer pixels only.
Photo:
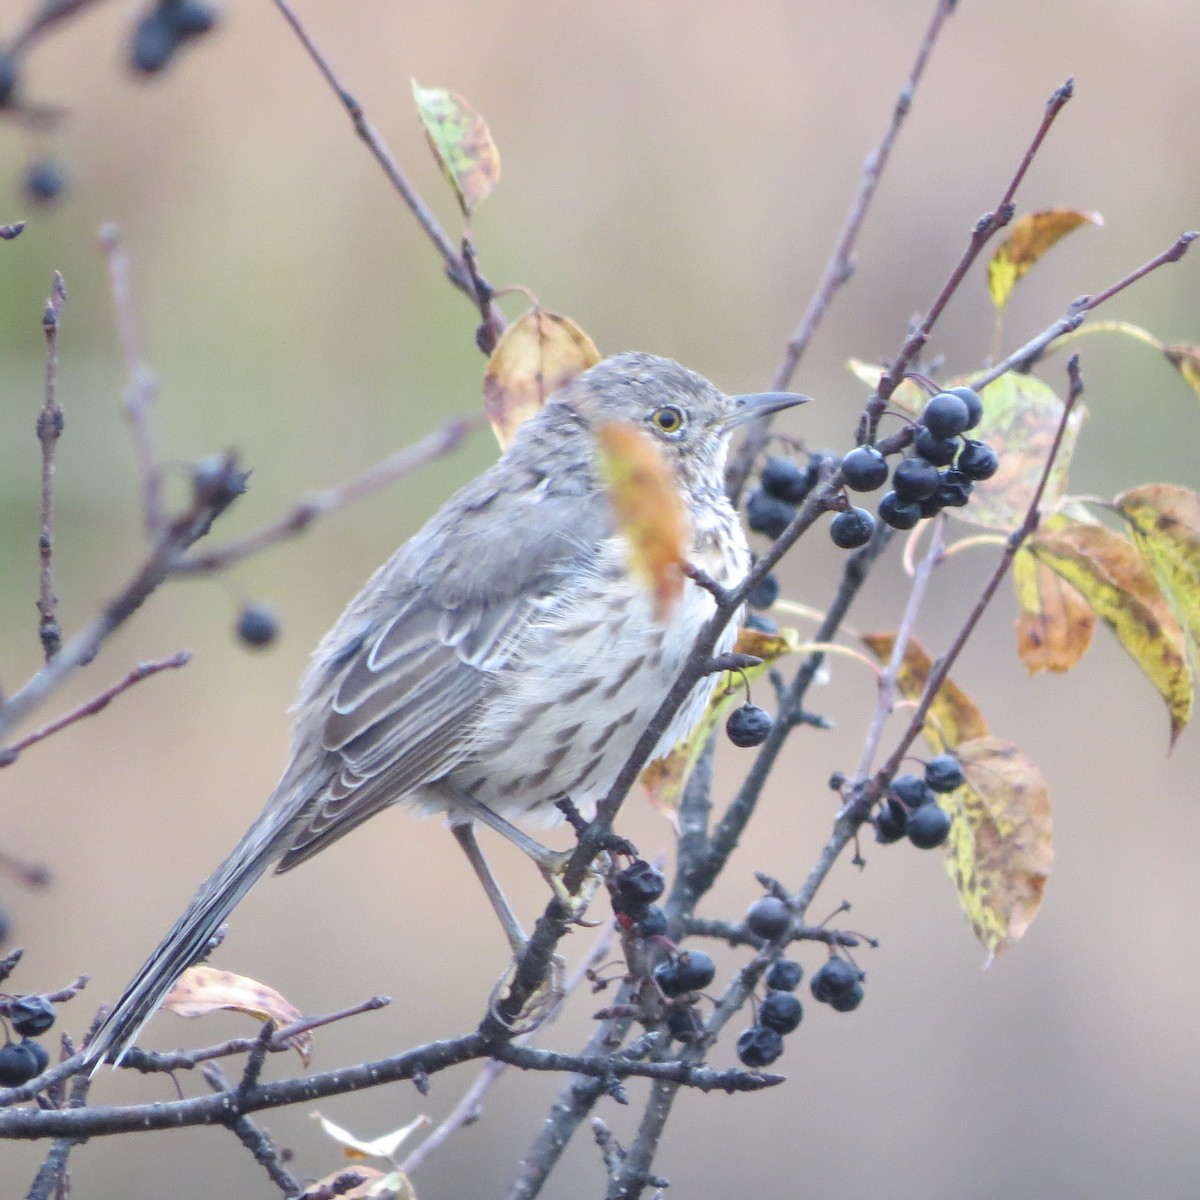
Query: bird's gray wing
[{"x": 395, "y": 708}]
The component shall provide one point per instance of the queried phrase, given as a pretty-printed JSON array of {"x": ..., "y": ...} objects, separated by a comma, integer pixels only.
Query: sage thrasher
[{"x": 504, "y": 657}]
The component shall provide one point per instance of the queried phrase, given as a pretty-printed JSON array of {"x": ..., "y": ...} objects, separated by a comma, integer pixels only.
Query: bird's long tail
[{"x": 187, "y": 939}]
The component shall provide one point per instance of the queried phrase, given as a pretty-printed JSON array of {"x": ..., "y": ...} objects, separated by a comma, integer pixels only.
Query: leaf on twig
[
  {"x": 665, "y": 778},
  {"x": 201, "y": 990},
  {"x": 384, "y": 1146},
  {"x": 1164, "y": 520},
  {"x": 1109, "y": 573},
  {"x": 1055, "y": 625},
  {"x": 1021, "y": 416},
  {"x": 909, "y": 396},
  {"x": 461, "y": 142},
  {"x": 536, "y": 355},
  {"x": 1000, "y": 850},
  {"x": 375, "y": 1185},
  {"x": 648, "y": 509},
  {"x": 1186, "y": 360},
  {"x": 953, "y": 716},
  {"x": 1029, "y": 238}
]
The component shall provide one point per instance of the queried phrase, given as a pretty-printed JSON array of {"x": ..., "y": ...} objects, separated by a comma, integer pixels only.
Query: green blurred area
[{"x": 674, "y": 175}]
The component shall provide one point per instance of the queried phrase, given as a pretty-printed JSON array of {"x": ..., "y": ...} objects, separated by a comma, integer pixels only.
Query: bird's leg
[{"x": 512, "y": 927}]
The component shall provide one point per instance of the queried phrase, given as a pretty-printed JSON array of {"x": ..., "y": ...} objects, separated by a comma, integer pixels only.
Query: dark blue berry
[
  {"x": 848, "y": 1000},
  {"x": 764, "y": 593},
  {"x": 768, "y": 515},
  {"x": 748, "y": 726},
  {"x": 864, "y": 469},
  {"x": 8, "y": 79},
  {"x": 834, "y": 978},
  {"x": 636, "y": 886},
  {"x": 891, "y": 822},
  {"x": 785, "y": 479},
  {"x": 696, "y": 968},
  {"x": 780, "y": 1011},
  {"x": 852, "y": 528},
  {"x": 954, "y": 489},
  {"x": 30, "y": 1015},
  {"x": 45, "y": 180},
  {"x": 191, "y": 17},
  {"x": 18, "y": 1064},
  {"x": 928, "y": 826},
  {"x": 257, "y": 625},
  {"x": 768, "y": 917},
  {"x": 939, "y": 451},
  {"x": 911, "y": 791},
  {"x": 785, "y": 975},
  {"x": 944, "y": 773},
  {"x": 970, "y": 397},
  {"x": 683, "y": 1023},
  {"x": 899, "y": 514},
  {"x": 914, "y": 479},
  {"x": 40, "y": 1054},
  {"x": 946, "y": 415},
  {"x": 652, "y": 922},
  {"x": 155, "y": 40},
  {"x": 760, "y": 623},
  {"x": 758, "y": 1047},
  {"x": 978, "y": 460}
]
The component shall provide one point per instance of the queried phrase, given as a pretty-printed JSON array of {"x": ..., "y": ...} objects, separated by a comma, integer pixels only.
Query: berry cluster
[
  {"x": 783, "y": 486},
  {"x": 161, "y": 32},
  {"x": 634, "y": 891},
  {"x": 940, "y": 473},
  {"x": 29, "y": 1017},
  {"x": 778, "y": 1014},
  {"x": 839, "y": 984},
  {"x": 911, "y": 808}
]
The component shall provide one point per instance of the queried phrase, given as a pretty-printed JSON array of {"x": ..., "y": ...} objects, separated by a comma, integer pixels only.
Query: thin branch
[
  {"x": 840, "y": 267},
  {"x": 50, "y": 14},
  {"x": 436, "y": 445},
  {"x": 8, "y": 754},
  {"x": 54, "y": 1168},
  {"x": 457, "y": 270},
  {"x": 141, "y": 391},
  {"x": 49, "y": 430}
]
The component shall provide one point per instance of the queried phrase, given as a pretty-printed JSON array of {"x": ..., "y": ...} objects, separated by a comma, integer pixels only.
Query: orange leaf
[
  {"x": 648, "y": 509},
  {"x": 201, "y": 990},
  {"x": 536, "y": 355},
  {"x": 1056, "y": 623},
  {"x": 1029, "y": 238},
  {"x": 953, "y": 716}
]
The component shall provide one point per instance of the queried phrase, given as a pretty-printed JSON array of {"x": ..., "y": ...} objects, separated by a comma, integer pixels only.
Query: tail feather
[{"x": 186, "y": 941}]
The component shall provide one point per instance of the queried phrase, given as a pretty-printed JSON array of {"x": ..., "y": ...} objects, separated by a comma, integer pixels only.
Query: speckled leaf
[
  {"x": 953, "y": 716},
  {"x": 375, "y": 1185},
  {"x": 1055, "y": 625},
  {"x": 536, "y": 355},
  {"x": 1164, "y": 520},
  {"x": 1000, "y": 851},
  {"x": 648, "y": 509},
  {"x": 1028, "y": 239},
  {"x": 1186, "y": 360},
  {"x": 909, "y": 396},
  {"x": 201, "y": 990},
  {"x": 665, "y": 778},
  {"x": 1109, "y": 573},
  {"x": 461, "y": 142},
  {"x": 1020, "y": 418}
]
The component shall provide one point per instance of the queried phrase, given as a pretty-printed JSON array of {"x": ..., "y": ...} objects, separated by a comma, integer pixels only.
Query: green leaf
[{"x": 461, "y": 142}]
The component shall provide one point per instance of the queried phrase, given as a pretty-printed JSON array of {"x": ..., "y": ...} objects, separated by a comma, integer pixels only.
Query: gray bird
[{"x": 502, "y": 658}]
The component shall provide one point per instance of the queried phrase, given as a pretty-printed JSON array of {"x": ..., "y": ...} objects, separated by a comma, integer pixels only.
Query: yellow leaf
[
  {"x": 1186, "y": 360},
  {"x": 201, "y": 990},
  {"x": 953, "y": 717},
  {"x": 536, "y": 355},
  {"x": 665, "y": 778},
  {"x": 1164, "y": 520},
  {"x": 1056, "y": 623},
  {"x": 1029, "y": 238},
  {"x": 461, "y": 142},
  {"x": 648, "y": 508},
  {"x": 909, "y": 396},
  {"x": 1000, "y": 850},
  {"x": 1020, "y": 418},
  {"x": 1109, "y": 573}
]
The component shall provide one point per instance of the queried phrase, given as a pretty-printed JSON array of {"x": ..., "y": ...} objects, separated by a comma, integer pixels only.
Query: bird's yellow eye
[{"x": 669, "y": 419}]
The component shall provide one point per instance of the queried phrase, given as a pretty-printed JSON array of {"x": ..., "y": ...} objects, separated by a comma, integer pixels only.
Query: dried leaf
[
  {"x": 953, "y": 717},
  {"x": 201, "y": 990},
  {"x": 461, "y": 142},
  {"x": 665, "y": 778},
  {"x": 1055, "y": 625},
  {"x": 1029, "y": 238},
  {"x": 1186, "y": 360},
  {"x": 1020, "y": 418},
  {"x": 909, "y": 396},
  {"x": 1109, "y": 573},
  {"x": 536, "y": 355},
  {"x": 1000, "y": 851},
  {"x": 648, "y": 508},
  {"x": 1164, "y": 520},
  {"x": 395, "y": 1185},
  {"x": 384, "y": 1146}
]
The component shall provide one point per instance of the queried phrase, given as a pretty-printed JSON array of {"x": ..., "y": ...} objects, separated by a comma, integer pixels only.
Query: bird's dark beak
[{"x": 761, "y": 404}]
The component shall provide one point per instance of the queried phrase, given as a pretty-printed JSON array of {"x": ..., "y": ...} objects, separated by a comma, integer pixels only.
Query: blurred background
[{"x": 674, "y": 176}]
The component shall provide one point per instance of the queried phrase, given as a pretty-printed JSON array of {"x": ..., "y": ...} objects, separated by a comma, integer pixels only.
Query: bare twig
[
  {"x": 142, "y": 389},
  {"x": 50, "y": 14},
  {"x": 8, "y": 754},
  {"x": 49, "y": 429},
  {"x": 840, "y": 267},
  {"x": 436, "y": 445}
]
